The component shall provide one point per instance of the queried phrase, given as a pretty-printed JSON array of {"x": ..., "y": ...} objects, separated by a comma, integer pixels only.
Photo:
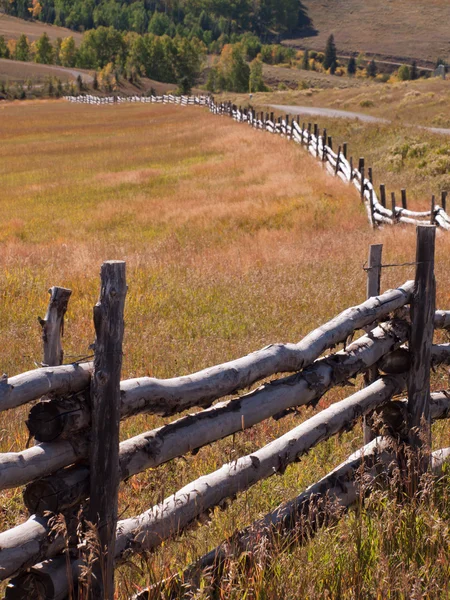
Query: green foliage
[
  {"x": 43, "y": 50},
  {"x": 305, "y": 60},
  {"x": 372, "y": 69},
  {"x": 4, "y": 52},
  {"x": 413, "y": 71},
  {"x": 231, "y": 73},
  {"x": 404, "y": 73},
  {"x": 160, "y": 17},
  {"x": 256, "y": 76},
  {"x": 68, "y": 52},
  {"x": 22, "y": 48},
  {"x": 351, "y": 67},
  {"x": 330, "y": 53}
]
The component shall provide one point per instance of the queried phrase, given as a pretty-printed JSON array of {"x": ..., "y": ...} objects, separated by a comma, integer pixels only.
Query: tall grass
[{"x": 233, "y": 240}]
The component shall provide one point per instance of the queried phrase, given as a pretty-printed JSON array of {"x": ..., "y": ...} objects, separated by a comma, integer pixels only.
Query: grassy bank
[{"x": 233, "y": 239}]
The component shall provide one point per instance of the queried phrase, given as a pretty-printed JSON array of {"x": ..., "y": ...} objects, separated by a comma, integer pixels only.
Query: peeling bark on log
[
  {"x": 201, "y": 389},
  {"x": 19, "y": 468},
  {"x": 148, "y": 530},
  {"x": 169, "y": 396},
  {"x": 25, "y": 545},
  {"x": 62, "y": 380},
  {"x": 175, "y": 513},
  {"x": 53, "y": 326},
  {"x": 320, "y": 505},
  {"x": 156, "y": 447}
]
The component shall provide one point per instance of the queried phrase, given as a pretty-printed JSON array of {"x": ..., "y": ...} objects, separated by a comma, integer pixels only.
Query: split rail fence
[
  {"x": 320, "y": 145},
  {"x": 75, "y": 467}
]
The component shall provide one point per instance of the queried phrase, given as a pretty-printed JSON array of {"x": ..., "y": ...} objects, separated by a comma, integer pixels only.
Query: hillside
[
  {"x": 12, "y": 28},
  {"x": 401, "y": 29}
]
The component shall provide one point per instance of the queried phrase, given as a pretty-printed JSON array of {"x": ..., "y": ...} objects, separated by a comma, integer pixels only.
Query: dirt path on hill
[{"x": 347, "y": 114}]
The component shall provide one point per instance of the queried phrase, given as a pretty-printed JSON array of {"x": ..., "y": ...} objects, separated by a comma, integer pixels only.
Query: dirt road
[{"x": 346, "y": 114}]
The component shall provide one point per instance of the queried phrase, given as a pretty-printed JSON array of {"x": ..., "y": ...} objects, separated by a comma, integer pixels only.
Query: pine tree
[
  {"x": 372, "y": 69},
  {"x": 305, "y": 60},
  {"x": 330, "y": 53},
  {"x": 413, "y": 73},
  {"x": 22, "y": 48},
  {"x": 351, "y": 67}
]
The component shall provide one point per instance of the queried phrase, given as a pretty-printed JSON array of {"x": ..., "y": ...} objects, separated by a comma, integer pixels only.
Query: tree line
[{"x": 204, "y": 19}]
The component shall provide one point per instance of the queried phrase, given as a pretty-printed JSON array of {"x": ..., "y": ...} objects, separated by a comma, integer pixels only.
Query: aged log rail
[{"x": 397, "y": 359}]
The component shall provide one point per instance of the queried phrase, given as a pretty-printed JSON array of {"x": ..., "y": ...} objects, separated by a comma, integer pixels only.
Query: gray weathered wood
[
  {"x": 420, "y": 345},
  {"x": 153, "y": 448},
  {"x": 60, "y": 418},
  {"x": 204, "y": 387},
  {"x": 24, "y": 388},
  {"x": 321, "y": 504},
  {"x": 53, "y": 326},
  {"x": 148, "y": 530},
  {"x": 373, "y": 289},
  {"x": 383, "y": 195},
  {"x": 105, "y": 398},
  {"x": 433, "y": 210}
]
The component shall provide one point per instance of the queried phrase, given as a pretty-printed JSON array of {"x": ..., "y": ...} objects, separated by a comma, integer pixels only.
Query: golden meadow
[{"x": 233, "y": 240}]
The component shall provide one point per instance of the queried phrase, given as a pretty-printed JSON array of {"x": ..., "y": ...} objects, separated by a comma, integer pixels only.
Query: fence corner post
[
  {"x": 105, "y": 397},
  {"x": 421, "y": 340}
]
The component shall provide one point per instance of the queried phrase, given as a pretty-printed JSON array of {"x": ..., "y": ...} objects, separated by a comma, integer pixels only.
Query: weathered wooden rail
[
  {"x": 316, "y": 143},
  {"x": 78, "y": 461}
]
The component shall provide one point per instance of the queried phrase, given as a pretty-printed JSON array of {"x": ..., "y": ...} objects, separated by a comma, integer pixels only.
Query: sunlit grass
[{"x": 234, "y": 239}]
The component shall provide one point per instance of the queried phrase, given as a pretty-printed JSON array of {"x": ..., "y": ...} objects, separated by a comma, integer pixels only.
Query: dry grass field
[
  {"x": 411, "y": 29},
  {"x": 12, "y": 28},
  {"x": 402, "y": 153},
  {"x": 233, "y": 240},
  {"x": 23, "y": 72}
]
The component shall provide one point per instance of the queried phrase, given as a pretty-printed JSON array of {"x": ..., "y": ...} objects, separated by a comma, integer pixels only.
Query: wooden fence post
[
  {"x": 370, "y": 174},
  {"x": 105, "y": 397},
  {"x": 444, "y": 201},
  {"x": 324, "y": 145},
  {"x": 394, "y": 212},
  {"x": 404, "y": 202},
  {"x": 383, "y": 195},
  {"x": 338, "y": 160},
  {"x": 373, "y": 289},
  {"x": 362, "y": 171},
  {"x": 53, "y": 326},
  {"x": 433, "y": 210},
  {"x": 421, "y": 340}
]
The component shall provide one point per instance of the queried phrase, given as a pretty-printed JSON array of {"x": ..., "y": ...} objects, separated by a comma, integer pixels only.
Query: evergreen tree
[
  {"x": 43, "y": 50},
  {"x": 413, "y": 71},
  {"x": 372, "y": 69},
  {"x": 404, "y": 73},
  {"x": 22, "y": 48},
  {"x": 351, "y": 67},
  {"x": 256, "y": 76},
  {"x": 330, "y": 53},
  {"x": 95, "y": 82},
  {"x": 305, "y": 60}
]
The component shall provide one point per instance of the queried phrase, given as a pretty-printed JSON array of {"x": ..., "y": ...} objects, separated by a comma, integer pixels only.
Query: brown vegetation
[
  {"x": 234, "y": 239},
  {"x": 415, "y": 29}
]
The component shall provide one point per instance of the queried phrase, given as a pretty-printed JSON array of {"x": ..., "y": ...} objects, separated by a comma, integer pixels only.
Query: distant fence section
[
  {"x": 75, "y": 466},
  {"x": 380, "y": 209}
]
